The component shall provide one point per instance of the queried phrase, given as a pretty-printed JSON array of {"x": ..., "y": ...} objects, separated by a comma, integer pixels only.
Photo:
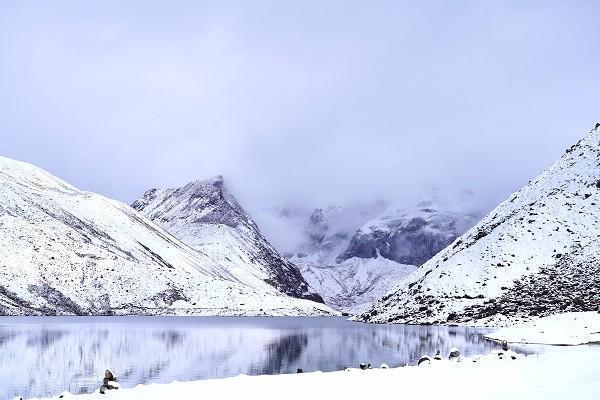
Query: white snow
[
  {"x": 67, "y": 251},
  {"x": 559, "y": 374},
  {"x": 353, "y": 285},
  {"x": 205, "y": 216},
  {"x": 561, "y": 329},
  {"x": 554, "y": 214}
]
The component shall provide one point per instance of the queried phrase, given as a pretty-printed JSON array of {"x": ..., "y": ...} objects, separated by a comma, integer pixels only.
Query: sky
[{"x": 297, "y": 102}]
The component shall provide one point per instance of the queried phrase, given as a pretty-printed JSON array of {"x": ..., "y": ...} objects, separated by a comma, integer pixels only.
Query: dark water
[{"x": 43, "y": 356}]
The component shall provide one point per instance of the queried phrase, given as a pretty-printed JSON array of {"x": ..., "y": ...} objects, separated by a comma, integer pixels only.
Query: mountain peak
[
  {"x": 216, "y": 180},
  {"x": 66, "y": 251},
  {"x": 205, "y": 216},
  {"x": 526, "y": 238}
]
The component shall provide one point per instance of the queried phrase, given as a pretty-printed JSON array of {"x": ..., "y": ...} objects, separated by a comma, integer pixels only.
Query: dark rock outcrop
[{"x": 411, "y": 237}]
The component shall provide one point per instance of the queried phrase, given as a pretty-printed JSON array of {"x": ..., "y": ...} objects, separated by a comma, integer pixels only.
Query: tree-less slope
[
  {"x": 204, "y": 215},
  {"x": 536, "y": 254},
  {"x": 67, "y": 251}
]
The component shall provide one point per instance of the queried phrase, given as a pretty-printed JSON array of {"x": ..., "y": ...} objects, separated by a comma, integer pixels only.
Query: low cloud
[{"x": 297, "y": 105}]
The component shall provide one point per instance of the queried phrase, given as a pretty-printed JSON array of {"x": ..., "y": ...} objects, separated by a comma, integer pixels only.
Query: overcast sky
[{"x": 297, "y": 102}]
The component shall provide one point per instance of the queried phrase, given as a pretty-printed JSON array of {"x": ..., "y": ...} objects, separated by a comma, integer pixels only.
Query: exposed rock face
[
  {"x": 535, "y": 254},
  {"x": 206, "y": 216},
  {"x": 66, "y": 251},
  {"x": 408, "y": 237}
]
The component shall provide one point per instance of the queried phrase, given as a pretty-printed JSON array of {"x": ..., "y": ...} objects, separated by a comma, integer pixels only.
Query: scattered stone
[
  {"x": 424, "y": 360},
  {"x": 299, "y": 371},
  {"x": 109, "y": 382},
  {"x": 384, "y": 366},
  {"x": 438, "y": 355},
  {"x": 365, "y": 366},
  {"x": 504, "y": 345},
  {"x": 454, "y": 353}
]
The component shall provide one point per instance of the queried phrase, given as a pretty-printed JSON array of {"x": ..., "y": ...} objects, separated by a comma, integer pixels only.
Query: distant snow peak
[
  {"x": 536, "y": 254},
  {"x": 352, "y": 255},
  {"x": 409, "y": 236}
]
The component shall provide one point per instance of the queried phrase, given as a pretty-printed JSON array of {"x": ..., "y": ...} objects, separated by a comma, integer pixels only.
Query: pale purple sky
[{"x": 297, "y": 102}]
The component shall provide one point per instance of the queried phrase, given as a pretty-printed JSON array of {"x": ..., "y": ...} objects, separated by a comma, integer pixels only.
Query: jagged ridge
[{"x": 204, "y": 215}]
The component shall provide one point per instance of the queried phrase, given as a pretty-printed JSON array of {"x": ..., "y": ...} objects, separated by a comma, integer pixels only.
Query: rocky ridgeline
[
  {"x": 205, "y": 216},
  {"x": 408, "y": 236}
]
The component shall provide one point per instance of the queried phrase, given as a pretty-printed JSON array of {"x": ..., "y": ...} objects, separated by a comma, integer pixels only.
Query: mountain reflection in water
[{"x": 43, "y": 356}]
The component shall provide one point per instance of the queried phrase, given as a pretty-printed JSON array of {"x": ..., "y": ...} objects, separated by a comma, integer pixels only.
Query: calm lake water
[{"x": 44, "y": 356}]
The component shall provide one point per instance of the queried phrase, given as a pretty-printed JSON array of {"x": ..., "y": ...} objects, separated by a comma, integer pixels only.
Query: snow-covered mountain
[
  {"x": 319, "y": 235},
  {"x": 409, "y": 236},
  {"x": 354, "y": 284},
  {"x": 536, "y": 254},
  {"x": 66, "y": 251},
  {"x": 204, "y": 215},
  {"x": 354, "y": 255}
]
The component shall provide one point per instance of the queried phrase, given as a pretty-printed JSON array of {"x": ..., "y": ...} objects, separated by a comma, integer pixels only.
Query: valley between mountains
[{"x": 194, "y": 250}]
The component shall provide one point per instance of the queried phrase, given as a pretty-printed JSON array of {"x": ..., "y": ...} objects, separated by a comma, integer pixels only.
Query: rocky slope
[
  {"x": 66, "y": 251},
  {"x": 409, "y": 236},
  {"x": 207, "y": 217},
  {"x": 536, "y": 254}
]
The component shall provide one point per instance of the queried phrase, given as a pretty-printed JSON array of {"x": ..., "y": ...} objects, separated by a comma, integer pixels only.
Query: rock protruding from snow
[
  {"x": 536, "y": 254},
  {"x": 204, "y": 215},
  {"x": 66, "y": 251},
  {"x": 109, "y": 382}
]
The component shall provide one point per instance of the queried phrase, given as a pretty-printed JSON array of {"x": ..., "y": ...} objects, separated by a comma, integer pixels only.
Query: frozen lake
[{"x": 43, "y": 356}]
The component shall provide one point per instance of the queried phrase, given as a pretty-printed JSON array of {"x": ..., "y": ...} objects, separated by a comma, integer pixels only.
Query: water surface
[{"x": 44, "y": 356}]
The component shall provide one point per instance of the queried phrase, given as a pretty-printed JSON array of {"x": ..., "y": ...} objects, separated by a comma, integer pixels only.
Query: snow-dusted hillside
[
  {"x": 204, "y": 215},
  {"x": 66, "y": 251},
  {"x": 354, "y": 284},
  {"x": 536, "y": 254}
]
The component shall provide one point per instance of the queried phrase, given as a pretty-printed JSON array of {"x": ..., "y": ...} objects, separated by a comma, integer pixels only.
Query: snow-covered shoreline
[
  {"x": 499, "y": 374},
  {"x": 526, "y": 377},
  {"x": 568, "y": 329}
]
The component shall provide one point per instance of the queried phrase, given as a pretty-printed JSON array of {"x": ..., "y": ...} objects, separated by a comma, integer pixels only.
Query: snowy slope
[
  {"x": 65, "y": 251},
  {"x": 571, "y": 329},
  {"x": 204, "y": 215},
  {"x": 354, "y": 284},
  {"x": 537, "y": 253}
]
